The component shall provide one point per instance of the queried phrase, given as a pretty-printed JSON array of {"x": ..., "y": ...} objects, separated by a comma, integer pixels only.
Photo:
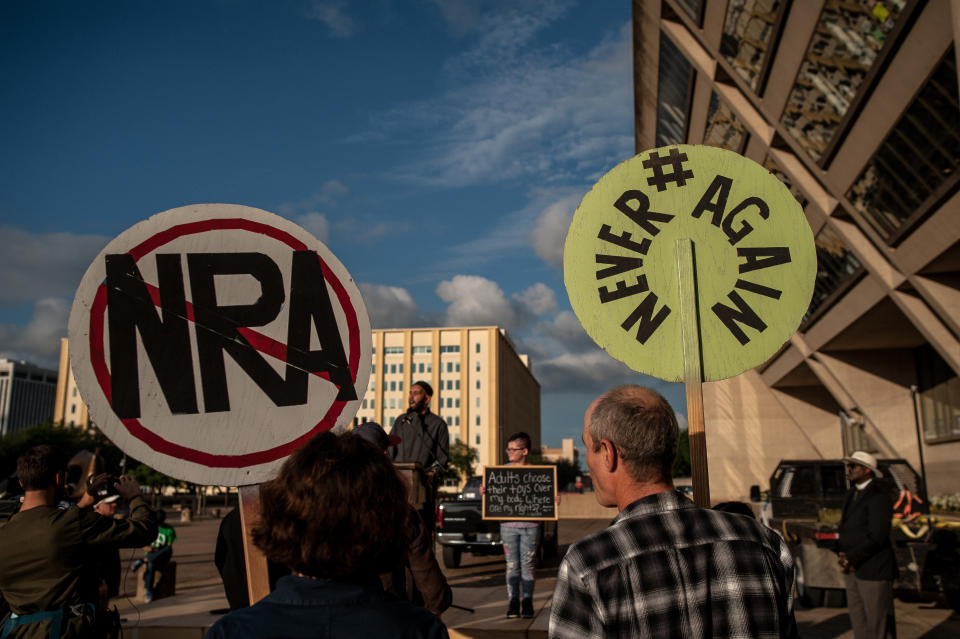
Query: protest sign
[{"x": 520, "y": 492}]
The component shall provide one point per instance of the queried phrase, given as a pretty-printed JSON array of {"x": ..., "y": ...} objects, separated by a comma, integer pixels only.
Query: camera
[{"x": 107, "y": 490}]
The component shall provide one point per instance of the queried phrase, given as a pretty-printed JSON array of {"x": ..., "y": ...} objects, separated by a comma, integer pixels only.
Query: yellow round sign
[{"x": 755, "y": 261}]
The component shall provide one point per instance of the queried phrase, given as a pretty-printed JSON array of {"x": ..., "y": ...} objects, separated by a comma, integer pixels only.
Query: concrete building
[
  {"x": 854, "y": 105},
  {"x": 482, "y": 387},
  {"x": 26, "y": 395},
  {"x": 69, "y": 408},
  {"x": 566, "y": 451}
]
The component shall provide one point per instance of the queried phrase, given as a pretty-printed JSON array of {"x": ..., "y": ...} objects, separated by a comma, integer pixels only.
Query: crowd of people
[{"x": 350, "y": 557}]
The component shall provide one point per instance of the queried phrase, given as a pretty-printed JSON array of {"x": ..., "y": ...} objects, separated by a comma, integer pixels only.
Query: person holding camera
[{"x": 49, "y": 559}]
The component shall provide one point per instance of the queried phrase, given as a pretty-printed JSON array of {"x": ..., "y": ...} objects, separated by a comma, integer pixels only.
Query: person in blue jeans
[{"x": 519, "y": 542}]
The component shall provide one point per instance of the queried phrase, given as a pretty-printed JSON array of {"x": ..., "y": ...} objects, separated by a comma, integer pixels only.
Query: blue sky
[{"x": 438, "y": 147}]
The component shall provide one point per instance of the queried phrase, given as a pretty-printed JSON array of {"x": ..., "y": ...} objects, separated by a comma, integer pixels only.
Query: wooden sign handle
[
  {"x": 693, "y": 370},
  {"x": 258, "y": 580}
]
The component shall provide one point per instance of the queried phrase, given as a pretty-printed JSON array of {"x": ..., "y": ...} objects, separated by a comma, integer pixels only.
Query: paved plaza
[{"x": 478, "y": 584}]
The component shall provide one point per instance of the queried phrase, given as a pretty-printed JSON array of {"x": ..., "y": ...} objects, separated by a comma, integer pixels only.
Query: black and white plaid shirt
[{"x": 668, "y": 568}]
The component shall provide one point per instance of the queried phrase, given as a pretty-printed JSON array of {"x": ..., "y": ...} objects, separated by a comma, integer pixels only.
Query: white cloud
[
  {"x": 331, "y": 14},
  {"x": 38, "y": 265},
  {"x": 538, "y": 299},
  {"x": 316, "y": 224},
  {"x": 550, "y": 230},
  {"x": 39, "y": 340},
  {"x": 390, "y": 306},
  {"x": 476, "y": 301},
  {"x": 516, "y": 109}
]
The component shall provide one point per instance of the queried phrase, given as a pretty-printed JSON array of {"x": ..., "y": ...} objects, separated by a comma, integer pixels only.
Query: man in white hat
[{"x": 866, "y": 554}]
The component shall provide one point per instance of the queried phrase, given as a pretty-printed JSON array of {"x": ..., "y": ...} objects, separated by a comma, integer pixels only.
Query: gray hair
[{"x": 641, "y": 424}]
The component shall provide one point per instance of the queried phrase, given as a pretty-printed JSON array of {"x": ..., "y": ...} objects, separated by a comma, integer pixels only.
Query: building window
[
  {"x": 449, "y": 367},
  {"x": 393, "y": 403},
  {"x": 392, "y": 420},
  {"x": 724, "y": 130},
  {"x": 449, "y": 349},
  {"x": 74, "y": 391},
  {"x": 457, "y": 385},
  {"x": 400, "y": 368},
  {"x": 770, "y": 164},
  {"x": 400, "y": 386},
  {"x": 478, "y": 420},
  {"x": 429, "y": 367},
  {"x": 393, "y": 350},
  {"x": 420, "y": 367},
  {"x": 917, "y": 162},
  {"x": 373, "y": 369},
  {"x": 478, "y": 402},
  {"x": 674, "y": 81},
  {"x": 456, "y": 403},
  {"x": 421, "y": 349},
  {"x": 939, "y": 390},
  {"x": 373, "y": 404},
  {"x": 748, "y": 35},
  {"x": 478, "y": 384},
  {"x": 364, "y": 404},
  {"x": 844, "y": 47},
  {"x": 478, "y": 347},
  {"x": 836, "y": 266},
  {"x": 478, "y": 439},
  {"x": 693, "y": 8},
  {"x": 393, "y": 386},
  {"x": 393, "y": 369},
  {"x": 478, "y": 365},
  {"x": 456, "y": 367},
  {"x": 73, "y": 409}
]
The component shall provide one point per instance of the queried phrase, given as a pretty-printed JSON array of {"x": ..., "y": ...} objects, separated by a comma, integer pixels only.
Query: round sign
[
  {"x": 210, "y": 341},
  {"x": 754, "y": 256}
]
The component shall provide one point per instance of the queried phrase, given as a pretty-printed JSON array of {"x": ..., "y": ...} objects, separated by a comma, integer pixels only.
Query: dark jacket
[
  {"x": 865, "y": 532},
  {"x": 426, "y": 440},
  {"x": 228, "y": 557},
  {"x": 49, "y": 560},
  {"x": 303, "y": 607},
  {"x": 420, "y": 580}
]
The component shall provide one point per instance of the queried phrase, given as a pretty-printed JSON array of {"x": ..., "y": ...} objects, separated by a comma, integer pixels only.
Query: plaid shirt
[{"x": 668, "y": 568}]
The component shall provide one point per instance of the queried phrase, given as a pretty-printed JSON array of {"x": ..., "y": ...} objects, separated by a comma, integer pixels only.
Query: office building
[
  {"x": 26, "y": 395},
  {"x": 854, "y": 105},
  {"x": 69, "y": 408},
  {"x": 482, "y": 387}
]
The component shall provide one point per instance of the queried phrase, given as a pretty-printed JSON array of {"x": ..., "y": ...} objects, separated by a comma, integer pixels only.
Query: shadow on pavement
[{"x": 826, "y": 628}]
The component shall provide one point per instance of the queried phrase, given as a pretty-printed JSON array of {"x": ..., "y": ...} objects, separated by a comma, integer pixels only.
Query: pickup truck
[
  {"x": 460, "y": 528},
  {"x": 804, "y": 505}
]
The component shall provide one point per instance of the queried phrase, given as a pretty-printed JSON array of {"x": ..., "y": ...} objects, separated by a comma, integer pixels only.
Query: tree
[
  {"x": 567, "y": 471},
  {"x": 681, "y": 465},
  {"x": 462, "y": 461}
]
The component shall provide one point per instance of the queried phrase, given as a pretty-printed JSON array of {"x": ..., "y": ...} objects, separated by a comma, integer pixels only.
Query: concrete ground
[{"x": 478, "y": 584}]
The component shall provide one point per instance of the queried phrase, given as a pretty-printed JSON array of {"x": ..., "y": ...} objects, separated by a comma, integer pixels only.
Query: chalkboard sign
[{"x": 520, "y": 492}]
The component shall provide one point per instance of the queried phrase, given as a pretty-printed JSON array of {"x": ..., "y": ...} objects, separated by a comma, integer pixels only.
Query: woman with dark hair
[{"x": 336, "y": 515}]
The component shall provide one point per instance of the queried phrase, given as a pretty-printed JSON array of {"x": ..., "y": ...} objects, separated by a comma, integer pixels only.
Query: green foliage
[
  {"x": 681, "y": 465},
  {"x": 71, "y": 440},
  {"x": 463, "y": 459}
]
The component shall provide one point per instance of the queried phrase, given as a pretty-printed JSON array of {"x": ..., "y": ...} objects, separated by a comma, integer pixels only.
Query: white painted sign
[{"x": 210, "y": 341}]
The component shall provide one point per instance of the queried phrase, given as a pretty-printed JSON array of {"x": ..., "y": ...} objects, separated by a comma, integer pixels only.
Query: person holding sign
[
  {"x": 665, "y": 567},
  {"x": 519, "y": 541},
  {"x": 337, "y": 516}
]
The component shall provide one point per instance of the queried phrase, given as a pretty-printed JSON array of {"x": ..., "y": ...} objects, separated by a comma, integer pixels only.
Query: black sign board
[{"x": 520, "y": 492}]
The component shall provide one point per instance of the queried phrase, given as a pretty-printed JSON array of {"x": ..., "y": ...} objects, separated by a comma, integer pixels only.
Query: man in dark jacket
[
  {"x": 866, "y": 554},
  {"x": 49, "y": 556}
]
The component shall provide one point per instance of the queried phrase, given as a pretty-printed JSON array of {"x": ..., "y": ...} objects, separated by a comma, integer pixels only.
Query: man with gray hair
[{"x": 665, "y": 567}]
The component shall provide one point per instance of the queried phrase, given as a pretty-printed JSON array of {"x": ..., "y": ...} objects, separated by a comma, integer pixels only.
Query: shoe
[
  {"x": 513, "y": 610},
  {"x": 148, "y": 597},
  {"x": 526, "y": 609},
  {"x": 136, "y": 564}
]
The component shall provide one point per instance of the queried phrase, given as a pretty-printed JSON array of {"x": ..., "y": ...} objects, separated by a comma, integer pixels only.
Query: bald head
[{"x": 641, "y": 424}]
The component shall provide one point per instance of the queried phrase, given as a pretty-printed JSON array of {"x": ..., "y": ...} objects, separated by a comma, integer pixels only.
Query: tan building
[
  {"x": 854, "y": 105},
  {"x": 566, "y": 451},
  {"x": 482, "y": 388},
  {"x": 69, "y": 408}
]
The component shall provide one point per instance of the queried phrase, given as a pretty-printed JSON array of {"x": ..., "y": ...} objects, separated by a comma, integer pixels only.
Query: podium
[{"x": 419, "y": 492}]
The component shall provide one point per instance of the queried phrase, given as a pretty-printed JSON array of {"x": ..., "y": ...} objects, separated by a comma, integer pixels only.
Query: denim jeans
[
  {"x": 155, "y": 560},
  {"x": 519, "y": 548}
]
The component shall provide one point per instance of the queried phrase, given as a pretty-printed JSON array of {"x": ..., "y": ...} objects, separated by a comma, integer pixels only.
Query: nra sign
[{"x": 210, "y": 341}]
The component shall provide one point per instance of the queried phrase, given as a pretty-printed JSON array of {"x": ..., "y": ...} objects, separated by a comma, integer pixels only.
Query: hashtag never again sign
[
  {"x": 210, "y": 341},
  {"x": 754, "y": 255}
]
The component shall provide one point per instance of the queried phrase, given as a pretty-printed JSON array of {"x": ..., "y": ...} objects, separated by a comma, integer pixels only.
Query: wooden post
[
  {"x": 258, "y": 581},
  {"x": 693, "y": 369}
]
